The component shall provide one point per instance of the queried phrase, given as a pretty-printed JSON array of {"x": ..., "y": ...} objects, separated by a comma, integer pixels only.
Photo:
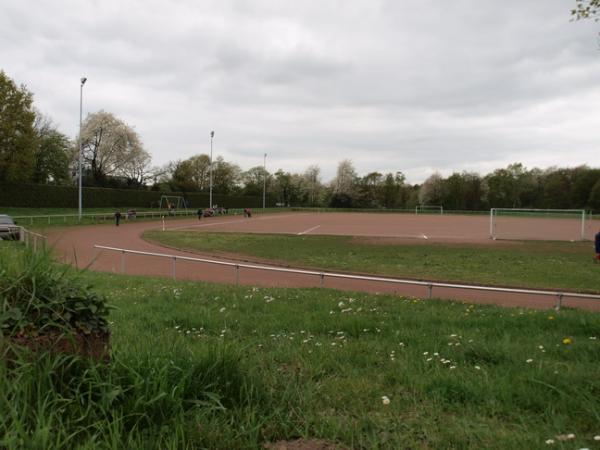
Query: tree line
[{"x": 32, "y": 150}]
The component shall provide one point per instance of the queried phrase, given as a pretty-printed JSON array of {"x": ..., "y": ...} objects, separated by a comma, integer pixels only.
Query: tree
[
  {"x": 18, "y": 139},
  {"x": 226, "y": 176},
  {"x": 586, "y": 9},
  {"x": 345, "y": 179},
  {"x": 312, "y": 177},
  {"x": 506, "y": 186},
  {"x": 137, "y": 168},
  {"x": 109, "y": 144},
  {"x": 182, "y": 174},
  {"x": 52, "y": 153},
  {"x": 200, "y": 165},
  {"x": 594, "y": 200},
  {"x": 253, "y": 180},
  {"x": 432, "y": 190}
]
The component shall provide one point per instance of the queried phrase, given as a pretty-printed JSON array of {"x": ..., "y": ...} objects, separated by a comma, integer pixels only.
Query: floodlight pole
[
  {"x": 83, "y": 80},
  {"x": 212, "y": 135},
  {"x": 265, "y": 181}
]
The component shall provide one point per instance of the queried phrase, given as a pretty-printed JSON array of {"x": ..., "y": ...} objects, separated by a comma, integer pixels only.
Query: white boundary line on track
[
  {"x": 308, "y": 231},
  {"x": 248, "y": 220}
]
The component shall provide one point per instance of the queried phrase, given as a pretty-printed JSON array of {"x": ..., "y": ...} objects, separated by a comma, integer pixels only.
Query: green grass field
[
  {"x": 199, "y": 365},
  {"x": 561, "y": 265}
]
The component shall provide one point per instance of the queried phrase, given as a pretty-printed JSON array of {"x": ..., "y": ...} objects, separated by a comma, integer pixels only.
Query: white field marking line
[
  {"x": 308, "y": 231},
  {"x": 247, "y": 220}
]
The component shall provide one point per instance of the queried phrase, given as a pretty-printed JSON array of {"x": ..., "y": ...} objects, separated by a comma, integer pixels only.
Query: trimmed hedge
[{"x": 49, "y": 196}]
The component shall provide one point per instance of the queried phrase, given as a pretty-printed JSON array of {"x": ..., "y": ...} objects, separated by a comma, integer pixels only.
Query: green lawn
[
  {"x": 561, "y": 265},
  {"x": 199, "y": 365}
]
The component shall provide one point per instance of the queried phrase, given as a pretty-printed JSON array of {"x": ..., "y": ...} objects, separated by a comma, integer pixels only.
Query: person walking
[
  {"x": 597, "y": 245},
  {"x": 199, "y": 213},
  {"x": 117, "y": 218}
]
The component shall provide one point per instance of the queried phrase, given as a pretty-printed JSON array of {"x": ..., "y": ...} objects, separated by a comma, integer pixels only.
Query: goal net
[
  {"x": 172, "y": 202},
  {"x": 538, "y": 224},
  {"x": 429, "y": 209}
]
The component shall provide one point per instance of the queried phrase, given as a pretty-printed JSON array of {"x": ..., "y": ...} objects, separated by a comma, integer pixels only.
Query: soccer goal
[
  {"x": 538, "y": 224},
  {"x": 429, "y": 209},
  {"x": 172, "y": 202}
]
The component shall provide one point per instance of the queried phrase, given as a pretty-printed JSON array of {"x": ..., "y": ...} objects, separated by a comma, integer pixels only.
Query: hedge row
[{"x": 48, "y": 196}]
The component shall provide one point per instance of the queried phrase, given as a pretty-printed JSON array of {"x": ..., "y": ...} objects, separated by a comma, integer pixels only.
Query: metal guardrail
[
  {"x": 429, "y": 285},
  {"x": 32, "y": 239},
  {"x": 109, "y": 216},
  {"x": 97, "y": 217}
]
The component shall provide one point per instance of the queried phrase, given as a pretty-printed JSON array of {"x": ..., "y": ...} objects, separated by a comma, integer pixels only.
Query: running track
[{"x": 75, "y": 245}]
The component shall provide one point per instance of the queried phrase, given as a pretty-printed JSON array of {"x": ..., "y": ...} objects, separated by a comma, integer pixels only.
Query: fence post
[
  {"x": 123, "y": 261},
  {"x": 35, "y": 239},
  {"x": 322, "y": 275},
  {"x": 237, "y": 274},
  {"x": 430, "y": 291},
  {"x": 174, "y": 273},
  {"x": 559, "y": 298}
]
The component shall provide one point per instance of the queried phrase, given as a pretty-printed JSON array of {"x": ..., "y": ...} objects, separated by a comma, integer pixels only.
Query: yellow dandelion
[
  {"x": 550, "y": 317},
  {"x": 567, "y": 341}
]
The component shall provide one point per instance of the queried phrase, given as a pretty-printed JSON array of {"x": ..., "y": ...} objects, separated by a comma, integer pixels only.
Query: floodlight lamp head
[
  {"x": 83, "y": 80},
  {"x": 212, "y": 134}
]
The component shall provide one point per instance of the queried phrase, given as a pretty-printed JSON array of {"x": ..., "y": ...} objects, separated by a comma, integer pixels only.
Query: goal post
[
  {"x": 538, "y": 224},
  {"x": 433, "y": 209},
  {"x": 172, "y": 201}
]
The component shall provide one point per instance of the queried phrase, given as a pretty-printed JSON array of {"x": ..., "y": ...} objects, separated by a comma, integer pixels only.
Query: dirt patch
[
  {"x": 304, "y": 444},
  {"x": 95, "y": 346}
]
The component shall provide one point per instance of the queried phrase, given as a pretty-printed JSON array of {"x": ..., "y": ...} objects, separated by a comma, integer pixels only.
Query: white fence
[
  {"x": 57, "y": 219},
  {"x": 34, "y": 240},
  {"x": 428, "y": 285}
]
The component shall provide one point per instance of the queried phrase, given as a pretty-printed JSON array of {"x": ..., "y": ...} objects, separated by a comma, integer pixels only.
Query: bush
[{"x": 38, "y": 297}]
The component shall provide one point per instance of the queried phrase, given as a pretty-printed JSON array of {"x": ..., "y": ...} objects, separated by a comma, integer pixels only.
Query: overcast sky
[{"x": 413, "y": 86}]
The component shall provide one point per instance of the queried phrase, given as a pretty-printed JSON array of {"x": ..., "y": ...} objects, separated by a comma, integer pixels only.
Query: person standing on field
[
  {"x": 199, "y": 213},
  {"x": 597, "y": 244},
  {"x": 117, "y": 218}
]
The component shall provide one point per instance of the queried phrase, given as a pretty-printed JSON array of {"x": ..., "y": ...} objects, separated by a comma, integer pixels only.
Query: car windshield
[{"x": 6, "y": 220}]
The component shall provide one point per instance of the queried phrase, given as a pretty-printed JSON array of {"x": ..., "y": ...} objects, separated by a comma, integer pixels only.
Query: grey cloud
[{"x": 392, "y": 85}]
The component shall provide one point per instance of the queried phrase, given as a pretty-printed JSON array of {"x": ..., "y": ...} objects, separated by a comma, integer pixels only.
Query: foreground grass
[
  {"x": 198, "y": 365},
  {"x": 561, "y": 265}
]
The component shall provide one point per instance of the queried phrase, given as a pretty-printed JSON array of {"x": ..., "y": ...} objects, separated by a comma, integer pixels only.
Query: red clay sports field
[{"x": 76, "y": 245}]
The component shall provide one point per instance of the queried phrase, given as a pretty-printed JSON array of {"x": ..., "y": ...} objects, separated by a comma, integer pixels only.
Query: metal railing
[
  {"x": 31, "y": 239},
  {"x": 58, "y": 219},
  {"x": 97, "y": 217},
  {"x": 429, "y": 285}
]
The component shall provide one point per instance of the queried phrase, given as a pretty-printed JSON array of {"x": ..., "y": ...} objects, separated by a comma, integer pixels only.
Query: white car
[{"x": 9, "y": 231}]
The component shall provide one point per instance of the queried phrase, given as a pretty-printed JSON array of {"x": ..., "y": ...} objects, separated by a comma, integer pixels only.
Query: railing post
[
  {"x": 322, "y": 276},
  {"x": 559, "y": 298},
  {"x": 123, "y": 261},
  {"x": 430, "y": 291},
  {"x": 174, "y": 265},
  {"x": 35, "y": 239},
  {"x": 237, "y": 274}
]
